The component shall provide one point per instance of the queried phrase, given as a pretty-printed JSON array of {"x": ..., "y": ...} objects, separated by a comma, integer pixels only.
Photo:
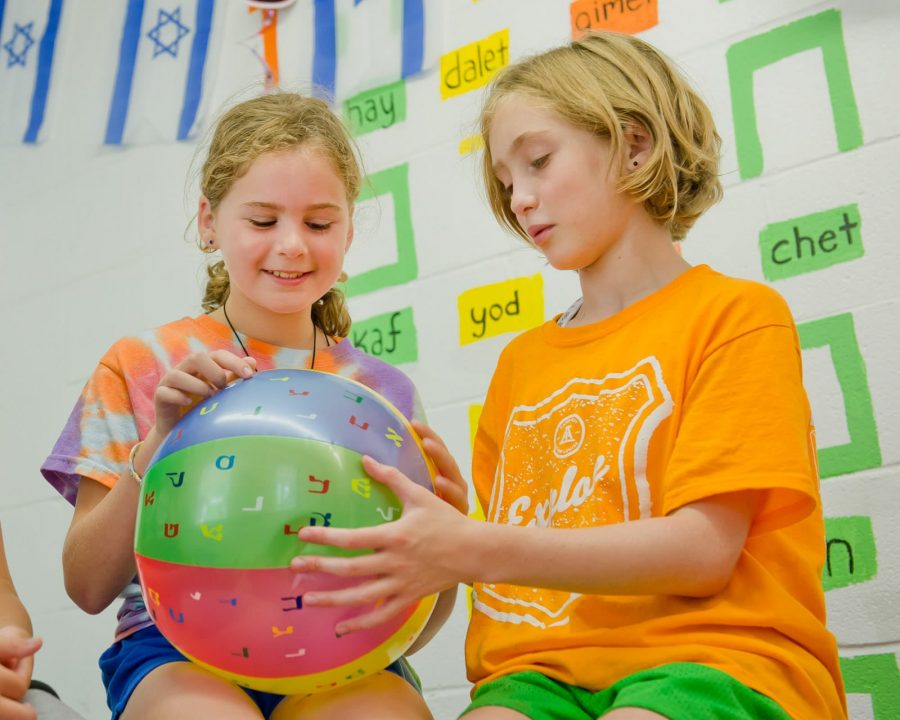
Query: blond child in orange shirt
[{"x": 655, "y": 538}]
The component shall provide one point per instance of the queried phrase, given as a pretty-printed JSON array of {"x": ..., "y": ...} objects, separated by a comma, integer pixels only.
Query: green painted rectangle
[
  {"x": 863, "y": 451},
  {"x": 876, "y": 676},
  {"x": 850, "y": 552},
  {"x": 391, "y": 336},
  {"x": 394, "y": 182},
  {"x": 376, "y": 109},
  {"x": 822, "y": 33},
  {"x": 812, "y": 242}
]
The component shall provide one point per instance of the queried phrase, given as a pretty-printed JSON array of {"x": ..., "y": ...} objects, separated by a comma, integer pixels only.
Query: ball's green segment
[{"x": 238, "y": 502}]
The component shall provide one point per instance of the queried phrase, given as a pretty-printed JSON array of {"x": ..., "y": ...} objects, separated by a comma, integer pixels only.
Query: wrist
[
  {"x": 471, "y": 551},
  {"x": 496, "y": 553},
  {"x": 141, "y": 453},
  {"x": 133, "y": 472}
]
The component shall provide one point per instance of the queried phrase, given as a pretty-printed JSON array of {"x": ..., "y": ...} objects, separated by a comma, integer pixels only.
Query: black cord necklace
[{"x": 312, "y": 362}]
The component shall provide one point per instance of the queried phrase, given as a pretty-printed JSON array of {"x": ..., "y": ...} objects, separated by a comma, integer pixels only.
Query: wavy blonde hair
[
  {"x": 274, "y": 123},
  {"x": 604, "y": 83}
]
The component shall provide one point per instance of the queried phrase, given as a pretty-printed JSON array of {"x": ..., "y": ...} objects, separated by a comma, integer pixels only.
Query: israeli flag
[
  {"x": 28, "y": 31},
  {"x": 331, "y": 48},
  {"x": 164, "y": 58},
  {"x": 364, "y": 44}
]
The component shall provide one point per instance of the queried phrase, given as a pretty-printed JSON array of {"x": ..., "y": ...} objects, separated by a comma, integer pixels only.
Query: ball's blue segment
[{"x": 304, "y": 404}]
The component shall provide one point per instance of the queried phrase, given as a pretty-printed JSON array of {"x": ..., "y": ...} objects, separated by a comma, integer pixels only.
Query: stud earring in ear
[{"x": 634, "y": 163}]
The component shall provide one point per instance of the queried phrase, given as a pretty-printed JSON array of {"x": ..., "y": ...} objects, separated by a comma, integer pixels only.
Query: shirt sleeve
[
  {"x": 490, "y": 433},
  {"x": 111, "y": 415},
  {"x": 746, "y": 424}
]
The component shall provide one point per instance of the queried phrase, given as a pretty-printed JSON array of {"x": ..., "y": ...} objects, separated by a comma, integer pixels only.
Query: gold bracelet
[{"x": 134, "y": 474}]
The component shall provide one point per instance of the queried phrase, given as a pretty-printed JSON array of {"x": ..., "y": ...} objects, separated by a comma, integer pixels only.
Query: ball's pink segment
[{"x": 248, "y": 621}]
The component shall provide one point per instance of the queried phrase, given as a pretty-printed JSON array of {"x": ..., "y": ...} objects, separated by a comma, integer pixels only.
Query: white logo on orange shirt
[
  {"x": 568, "y": 437},
  {"x": 578, "y": 458}
]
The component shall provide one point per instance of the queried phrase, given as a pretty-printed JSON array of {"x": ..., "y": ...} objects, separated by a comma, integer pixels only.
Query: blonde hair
[
  {"x": 273, "y": 123},
  {"x": 604, "y": 83}
]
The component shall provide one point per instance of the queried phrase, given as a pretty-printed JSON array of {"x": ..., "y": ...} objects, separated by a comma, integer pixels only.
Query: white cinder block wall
[{"x": 93, "y": 245}]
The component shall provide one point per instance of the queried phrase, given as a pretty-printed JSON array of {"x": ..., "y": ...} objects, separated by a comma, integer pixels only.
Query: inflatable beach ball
[{"x": 220, "y": 507}]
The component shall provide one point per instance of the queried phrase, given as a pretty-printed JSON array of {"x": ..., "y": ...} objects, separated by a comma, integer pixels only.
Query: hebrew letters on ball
[{"x": 222, "y": 501}]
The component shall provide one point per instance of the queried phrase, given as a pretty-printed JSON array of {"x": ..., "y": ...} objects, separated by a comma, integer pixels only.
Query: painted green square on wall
[
  {"x": 390, "y": 336},
  {"x": 863, "y": 451},
  {"x": 824, "y": 32},
  {"x": 812, "y": 242},
  {"x": 877, "y": 676},
  {"x": 851, "y": 556},
  {"x": 394, "y": 182},
  {"x": 376, "y": 109}
]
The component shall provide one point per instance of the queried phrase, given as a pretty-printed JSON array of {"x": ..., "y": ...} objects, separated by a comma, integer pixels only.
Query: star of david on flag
[
  {"x": 165, "y": 56},
  {"x": 331, "y": 48},
  {"x": 28, "y": 30}
]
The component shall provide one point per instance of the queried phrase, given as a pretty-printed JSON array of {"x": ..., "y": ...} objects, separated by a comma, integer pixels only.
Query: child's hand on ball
[
  {"x": 449, "y": 484},
  {"x": 412, "y": 557},
  {"x": 196, "y": 377}
]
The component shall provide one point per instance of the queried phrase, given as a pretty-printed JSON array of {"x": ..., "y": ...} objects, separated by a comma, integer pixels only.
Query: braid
[
  {"x": 330, "y": 313},
  {"x": 216, "y": 287}
]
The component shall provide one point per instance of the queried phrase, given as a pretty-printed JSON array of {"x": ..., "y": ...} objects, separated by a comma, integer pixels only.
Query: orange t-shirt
[{"x": 691, "y": 392}]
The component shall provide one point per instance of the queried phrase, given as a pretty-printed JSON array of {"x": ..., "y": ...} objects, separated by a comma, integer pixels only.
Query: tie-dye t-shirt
[
  {"x": 115, "y": 409},
  {"x": 691, "y": 392}
]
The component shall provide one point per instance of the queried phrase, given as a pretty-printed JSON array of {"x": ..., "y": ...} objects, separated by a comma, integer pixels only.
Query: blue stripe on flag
[
  {"x": 45, "y": 64},
  {"x": 193, "y": 89},
  {"x": 325, "y": 53},
  {"x": 2, "y": 8},
  {"x": 118, "y": 109},
  {"x": 413, "y": 37}
]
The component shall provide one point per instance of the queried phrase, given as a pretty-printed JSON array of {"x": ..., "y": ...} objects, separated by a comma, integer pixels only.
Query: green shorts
[{"x": 678, "y": 691}]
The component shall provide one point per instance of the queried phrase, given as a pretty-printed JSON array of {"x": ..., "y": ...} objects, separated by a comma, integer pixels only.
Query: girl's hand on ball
[
  {"x": 413, "y": 557},
  {"x": 449, "y": 482},
  {"x": 198, "y": 376}
]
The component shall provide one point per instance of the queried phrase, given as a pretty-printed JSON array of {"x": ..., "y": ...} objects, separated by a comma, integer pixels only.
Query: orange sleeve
[
  {"x": 746, "y": 424},
  {"x": 489, "y": 435}
]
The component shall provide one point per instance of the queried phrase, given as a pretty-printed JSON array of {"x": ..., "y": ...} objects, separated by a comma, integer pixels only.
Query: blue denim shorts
[{"x": 130, "y": 660}]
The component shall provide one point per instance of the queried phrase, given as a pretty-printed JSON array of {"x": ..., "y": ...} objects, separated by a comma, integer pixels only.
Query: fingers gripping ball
[{"x": 222, "y": 501}]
